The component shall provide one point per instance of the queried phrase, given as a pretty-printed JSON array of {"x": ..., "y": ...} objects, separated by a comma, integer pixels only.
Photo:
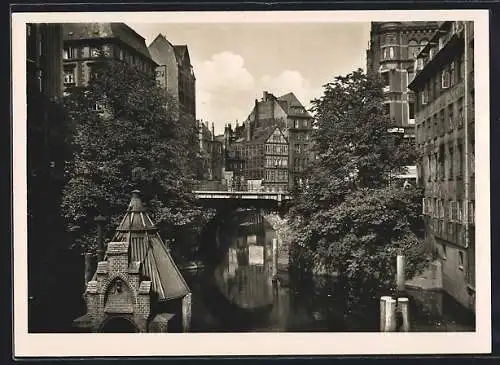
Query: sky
[{"x": 234, "y": 63}]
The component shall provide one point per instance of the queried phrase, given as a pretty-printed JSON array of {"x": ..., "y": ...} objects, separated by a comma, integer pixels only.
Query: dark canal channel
[{"x": 234, "y": 292}]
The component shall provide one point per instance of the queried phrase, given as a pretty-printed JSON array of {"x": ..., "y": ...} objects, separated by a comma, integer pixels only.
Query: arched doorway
[{"x": 118, "y": 324}]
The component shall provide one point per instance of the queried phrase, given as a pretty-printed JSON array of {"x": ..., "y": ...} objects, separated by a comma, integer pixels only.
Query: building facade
[
  {"x": 211, "y": 150},
  {"x": 46, "y": 153},
  {"x": 295, "y": 123},
  {"x": 175, "y": 72},
  {"x": 444, "y": 86},
  {"x": 265, "y": 157},
  {"x": 392, "y": 50},
  {"x": 87, "y": 45}
]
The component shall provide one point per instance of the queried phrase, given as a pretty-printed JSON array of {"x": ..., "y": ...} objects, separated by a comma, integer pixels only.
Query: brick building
[
  {"x": 175, "y": 72},
  {"x": 85, "y": 44},
  {"x": 392, "y": 50},
  {"x": 444, "y": 85},
  {"x": 136, "y": 282}
]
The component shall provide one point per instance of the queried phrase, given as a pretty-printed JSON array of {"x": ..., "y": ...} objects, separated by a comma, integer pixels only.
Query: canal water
[{"x": 235, "y": 292}]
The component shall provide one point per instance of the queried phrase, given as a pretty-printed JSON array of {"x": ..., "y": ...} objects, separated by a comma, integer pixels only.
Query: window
[
  {"x": 451, "y": 121},
  {"x": 385, "y": 79},
  {"x": 411, "y": 112},
  {"x": 69, "y": 53},
  {"x": 441, "y": 42},
  {"x": 453, "y": 213},
  {"x": 451, "y": 163},
  {"x": 428, "y": 171},
  {"x": 441, "y": 122},
  {"x": 95, "y": 52},
  {"x": 460, "y": 116},
  {"x": 443, "y": 246},
  {"x": 461, "y": 260},
  {"x": 69, "y": 76},
  {"x": 85, "y": 52},
  {"x": 388, "y": 53},
  {"x": 459, "y": 160},
  {"x": 460, "y": 211},
  {"x": 445, "y": 79},
  {"x": 107, "y": 50},
  {"x": 452, "y": 74},
  {"x": 413, "y": 49},
  {"x": 432, "y": 52},
  {"x": 472, "y": 213},
  {"x": 424, "y": 97},
  {"x": 441, "y": 162}
]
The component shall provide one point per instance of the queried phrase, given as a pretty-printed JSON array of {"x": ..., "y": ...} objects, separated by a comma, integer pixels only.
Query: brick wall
[{"x": 118, "y": 291}]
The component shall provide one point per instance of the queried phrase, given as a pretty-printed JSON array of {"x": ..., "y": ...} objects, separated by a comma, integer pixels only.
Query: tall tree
[
  {"x": 349, "y": 218},
  {"x": 129, "y": 134}
]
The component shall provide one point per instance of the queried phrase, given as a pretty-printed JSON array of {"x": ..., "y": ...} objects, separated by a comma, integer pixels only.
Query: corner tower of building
[{"x": 391, "y": 54}]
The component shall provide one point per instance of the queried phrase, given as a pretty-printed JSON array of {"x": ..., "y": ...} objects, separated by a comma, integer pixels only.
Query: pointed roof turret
[{"x": 146, "y": 246}]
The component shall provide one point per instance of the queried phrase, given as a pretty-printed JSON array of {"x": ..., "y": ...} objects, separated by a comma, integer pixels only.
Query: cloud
[
  {"x": 226, "y": 90},
  {"x": 223, "y": 88},
  {"x": 291, "y": 81}
]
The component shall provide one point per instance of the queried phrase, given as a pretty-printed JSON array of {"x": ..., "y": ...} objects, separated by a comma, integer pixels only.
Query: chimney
[
  {"x": 213, "y": 132},
  {"x": 264, "y": 96}
]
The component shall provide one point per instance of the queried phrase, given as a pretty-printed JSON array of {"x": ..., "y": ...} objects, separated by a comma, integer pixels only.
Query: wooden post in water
[
  {"x": 186, "y": 313},
  {"x": 275, "y": 259},
  {"x": 400, "y": 273},
  {"x": 383, "y": 301},
  {"x": 404, "y": 308},
  {"x": 390, "y": 315}
]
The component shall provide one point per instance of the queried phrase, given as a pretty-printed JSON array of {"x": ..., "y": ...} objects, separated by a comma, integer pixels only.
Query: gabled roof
[
  {"x": 120, "y": 31},
  {"x": 261, "y": 134},
  {"x": 182, "y": 54},
  {"x": 147, "y": 247},
  {"x": 292, "y": 106},
  {"x": 156, "y": 46}
]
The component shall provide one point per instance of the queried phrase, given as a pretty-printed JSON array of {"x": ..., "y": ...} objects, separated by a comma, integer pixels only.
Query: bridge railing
[{"x": 214, "y": 185}]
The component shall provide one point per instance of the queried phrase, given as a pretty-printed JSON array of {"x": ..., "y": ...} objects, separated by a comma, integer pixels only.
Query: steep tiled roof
[
  {"x": 292, "y": 106},
  {"x": 121, "y": 31},
  {"x": 261, "y": 134},
  {"x": 180, "y": 52},
  {"x": 156, "y": 47},
  {"x": 146, "y": 246}
]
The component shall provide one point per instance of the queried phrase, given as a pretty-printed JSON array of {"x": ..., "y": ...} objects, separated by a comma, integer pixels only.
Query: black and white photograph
[{"x": 245, "y": 183}]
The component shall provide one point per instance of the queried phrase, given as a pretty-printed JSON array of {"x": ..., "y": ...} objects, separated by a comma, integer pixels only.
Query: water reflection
[{"x": 236, "y": 291}]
